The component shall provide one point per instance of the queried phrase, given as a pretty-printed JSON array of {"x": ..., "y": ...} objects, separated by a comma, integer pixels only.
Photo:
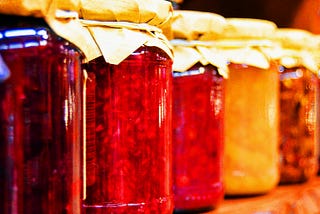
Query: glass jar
[
  {"x": 198, "y": 114},
  {"x": 4, "y": 101},
  {"x": 298, "y": 103},
  {"x": 129, "y": 153},
  {"x": 40, "y": 105},
  {"x": 316, "y": 56},
  {"x": 128, "y": 157},
  {"x": 252, "y": 109}
]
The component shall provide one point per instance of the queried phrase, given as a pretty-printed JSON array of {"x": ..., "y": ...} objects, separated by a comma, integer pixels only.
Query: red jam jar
[
  {"x": 128, "y": 158},
  {"x": 4, "y": 75},
  {"x": 40, "y": 116},
  {"x": 198, "y": 115},
  {"x": 299, "y": 101}
]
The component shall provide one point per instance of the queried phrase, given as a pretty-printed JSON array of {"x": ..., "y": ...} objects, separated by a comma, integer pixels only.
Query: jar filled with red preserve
[
  {"x": 198, "y": 112},
  {"x": 40, "y": 114},
  {"x": 4, "y": 75},
  {"x": 128, "y": 156},
  {"x": 299, "y": 101},
  {"x": 251, "y": 156}
]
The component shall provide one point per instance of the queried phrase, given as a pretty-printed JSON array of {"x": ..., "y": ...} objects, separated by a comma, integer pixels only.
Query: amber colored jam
[
  {"x": 298, "y": 153},
  {"x": 251, "y": 163},
  {"x": 129, "y": 147},
  {"x": 40, "y": 120},
  {"x": 198, "y": 124}
]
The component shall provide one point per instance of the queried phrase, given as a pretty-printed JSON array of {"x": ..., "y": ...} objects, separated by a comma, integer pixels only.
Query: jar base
[{"x": 163, "y": 205}]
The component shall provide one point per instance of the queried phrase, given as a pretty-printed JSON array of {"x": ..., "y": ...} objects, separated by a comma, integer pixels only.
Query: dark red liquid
[
  {"x": 198, "y": 113},
  {"x": 128, "y": 157},
  {"x": 298, "y": 101},
  {"x": 40, "y": 115}
]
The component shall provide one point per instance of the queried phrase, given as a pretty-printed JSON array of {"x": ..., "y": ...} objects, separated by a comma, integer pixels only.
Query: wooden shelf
[{"x": 285, "y": 199}]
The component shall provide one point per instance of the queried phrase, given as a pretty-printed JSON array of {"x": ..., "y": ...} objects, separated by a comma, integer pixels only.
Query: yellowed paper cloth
[
  {"x": 188, "y": 53},
  {"x": 196, "y": 25},
  {"x": 291, "y": 58},
  {"x": 68, "y": 19},
  {"x": 37, "y": 8},
  {"x": 216, "y": 58},
  {"x": 185, "y": 58},
  {"x": 117, "y": 51},
  {"x": 248, "y": 55}
]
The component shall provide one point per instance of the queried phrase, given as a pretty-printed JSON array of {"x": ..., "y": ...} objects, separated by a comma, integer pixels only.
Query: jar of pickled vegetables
[
  {"x": 128, "y": 157},
  {"x": 40, "y": 114},
  {"x": 251, "y": 156},
  {"x": 299, "y": 101},
  {"x": 198, "y": 112}
]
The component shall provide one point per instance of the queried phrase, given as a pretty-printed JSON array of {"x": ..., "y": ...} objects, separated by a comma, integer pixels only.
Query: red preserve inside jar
[
  {"x": 128, "y": 158},
  {"x": 4, "y": 189},
  {"x": 198, "y": 114},
  {"x": 40, "y": 115}
]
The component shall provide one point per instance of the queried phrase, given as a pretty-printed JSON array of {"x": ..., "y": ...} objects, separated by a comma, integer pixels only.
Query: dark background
[{"x": 302, "y": 14}]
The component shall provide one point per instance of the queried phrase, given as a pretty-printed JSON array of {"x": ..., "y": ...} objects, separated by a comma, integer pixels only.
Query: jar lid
[
  {"x": 248, "y": 28},
  {"x": 196, "y": 25}
]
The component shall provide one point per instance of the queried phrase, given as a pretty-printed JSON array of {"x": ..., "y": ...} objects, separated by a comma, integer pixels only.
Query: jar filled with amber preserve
[
  {"x": 198, "y": 112},
  {"x": 252, "y": 109},
  {"x": 299, "y": 102},
  {"x": 128, "y": 157},
  {"x": 40, "y": 112},
  {"x": 316, "y": 54}
]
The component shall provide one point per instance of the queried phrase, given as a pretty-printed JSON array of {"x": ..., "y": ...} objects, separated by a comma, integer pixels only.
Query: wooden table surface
[{"x": 285, "y": 199}]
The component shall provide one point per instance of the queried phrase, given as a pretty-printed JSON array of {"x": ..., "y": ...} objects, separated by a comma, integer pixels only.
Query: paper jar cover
[{"x": 77, "y": 21}]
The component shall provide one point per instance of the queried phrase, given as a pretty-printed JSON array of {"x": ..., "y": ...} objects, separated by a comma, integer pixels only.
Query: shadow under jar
[
  {"x": 128, "y": 157},
  {"x": 40, "y": 116}
]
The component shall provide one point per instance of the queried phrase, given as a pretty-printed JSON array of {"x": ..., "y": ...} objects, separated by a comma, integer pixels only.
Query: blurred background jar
[
  {"x": 316, "y": 55},
  {"x": 128, "y": 158},
  {"x": 198, "y": 112},
  {"x": 299, "y": 98},
  {"x": 251, "y": 156},
  {"x": 40, "y": 114}
]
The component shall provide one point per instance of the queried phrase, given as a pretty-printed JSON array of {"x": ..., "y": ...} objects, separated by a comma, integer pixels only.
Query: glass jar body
[
  {"x": 251, "y": 130},
  {"x": 298, "y": 144},
  {"x": 40, "y": 115},
  {"x": 129, "y": 143},
  {"x": 198, "y": 124}
]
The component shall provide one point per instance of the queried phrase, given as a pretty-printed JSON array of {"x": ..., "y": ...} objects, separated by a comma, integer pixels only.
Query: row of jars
[{"x": 131, "y": 107}]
